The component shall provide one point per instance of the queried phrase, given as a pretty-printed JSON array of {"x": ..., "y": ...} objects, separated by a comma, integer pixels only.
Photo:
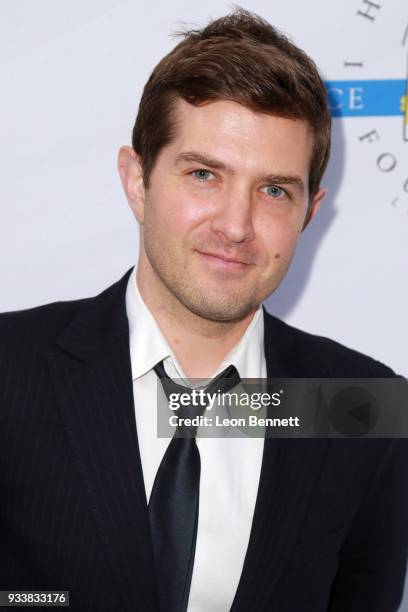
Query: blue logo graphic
[{"x": 370, "y": 98}]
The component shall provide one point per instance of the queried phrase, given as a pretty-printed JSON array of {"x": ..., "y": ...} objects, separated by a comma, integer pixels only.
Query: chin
[{"x": 216, "y": 311}]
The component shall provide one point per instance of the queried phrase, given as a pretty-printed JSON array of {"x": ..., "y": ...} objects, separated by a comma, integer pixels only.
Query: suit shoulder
[
  {"x": 323, "y": 356},
  {"x": 37, "y": 327}
]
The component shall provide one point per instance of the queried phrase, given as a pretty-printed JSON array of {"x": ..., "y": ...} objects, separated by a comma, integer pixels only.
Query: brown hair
[{"x": 242, "y": 58}]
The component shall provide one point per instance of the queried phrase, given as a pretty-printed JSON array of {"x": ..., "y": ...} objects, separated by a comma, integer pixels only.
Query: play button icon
[{"x": 353, "y": 411}]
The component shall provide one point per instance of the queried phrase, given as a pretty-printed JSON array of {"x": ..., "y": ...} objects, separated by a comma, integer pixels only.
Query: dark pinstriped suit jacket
[{"x": 330, "y": 527}]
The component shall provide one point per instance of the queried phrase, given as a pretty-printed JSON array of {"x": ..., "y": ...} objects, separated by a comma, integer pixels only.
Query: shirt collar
[{"x": 148, "y": 346}]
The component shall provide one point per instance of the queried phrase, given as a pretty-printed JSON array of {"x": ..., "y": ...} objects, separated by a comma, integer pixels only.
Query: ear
[
  {"x": 314, "y": 207},
  {"x": 131, "y": 175}
]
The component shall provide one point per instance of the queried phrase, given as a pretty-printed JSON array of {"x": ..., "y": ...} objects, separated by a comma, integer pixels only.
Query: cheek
[
  {"x": 279, "y": 238},
  {"x": 179, "y": 211},
  {"x": 189, "y": 212}
]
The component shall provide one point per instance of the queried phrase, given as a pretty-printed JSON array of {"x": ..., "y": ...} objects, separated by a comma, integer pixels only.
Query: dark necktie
[{"x": 174, "y": 500}]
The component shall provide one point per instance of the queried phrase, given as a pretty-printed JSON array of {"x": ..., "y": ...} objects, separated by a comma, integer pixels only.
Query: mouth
[{"x": 223, "y": 262}]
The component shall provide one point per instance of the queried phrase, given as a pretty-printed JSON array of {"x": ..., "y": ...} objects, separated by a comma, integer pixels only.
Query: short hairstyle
[{"x": 242, "y": 58}]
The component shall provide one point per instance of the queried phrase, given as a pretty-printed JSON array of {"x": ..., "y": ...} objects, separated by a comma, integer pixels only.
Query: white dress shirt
[{"x": 230, "y": 466}]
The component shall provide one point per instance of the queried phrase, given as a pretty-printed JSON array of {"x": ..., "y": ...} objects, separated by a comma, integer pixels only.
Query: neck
[{"x": 199, "y": 344}]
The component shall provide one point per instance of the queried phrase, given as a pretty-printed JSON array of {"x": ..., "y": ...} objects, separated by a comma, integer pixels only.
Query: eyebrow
[{"x": 215, "y": 164}]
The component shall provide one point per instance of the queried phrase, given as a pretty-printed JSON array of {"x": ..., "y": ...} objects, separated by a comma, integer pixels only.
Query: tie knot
[{"x": 195, "y": 399}]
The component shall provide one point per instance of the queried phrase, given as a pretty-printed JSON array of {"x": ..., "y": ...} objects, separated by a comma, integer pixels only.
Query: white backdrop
[{"x": 72, "y": 75}]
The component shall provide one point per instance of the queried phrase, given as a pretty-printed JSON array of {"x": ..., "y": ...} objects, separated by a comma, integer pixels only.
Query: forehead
[{"x": 242, "y": 138}]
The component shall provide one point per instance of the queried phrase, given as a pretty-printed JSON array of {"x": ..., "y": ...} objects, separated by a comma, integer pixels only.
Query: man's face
[{"x": 226, "y": 203}]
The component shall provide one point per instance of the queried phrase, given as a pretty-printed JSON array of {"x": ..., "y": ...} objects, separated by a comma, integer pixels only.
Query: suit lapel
[
  {"x": 92, "y": 374},
  {"x": 289, "y": 471}
]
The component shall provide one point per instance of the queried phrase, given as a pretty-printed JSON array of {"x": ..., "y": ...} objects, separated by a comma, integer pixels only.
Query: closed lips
[{"x": 224, "y": 257}]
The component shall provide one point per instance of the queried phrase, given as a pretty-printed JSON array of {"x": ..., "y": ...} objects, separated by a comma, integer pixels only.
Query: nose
[{"x": 233, "y": 215}]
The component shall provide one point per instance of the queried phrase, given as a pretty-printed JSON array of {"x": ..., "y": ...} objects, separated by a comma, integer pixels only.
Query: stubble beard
[{"x": 179, "y": 290}]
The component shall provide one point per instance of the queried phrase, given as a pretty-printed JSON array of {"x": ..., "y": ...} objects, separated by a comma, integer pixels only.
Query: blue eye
[
  {"x": 202, "y": 175},
  {"x": 274, "y": 191}
]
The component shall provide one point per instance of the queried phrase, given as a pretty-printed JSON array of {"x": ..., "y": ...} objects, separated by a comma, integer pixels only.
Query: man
[{"x": 229, "y": 147}]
